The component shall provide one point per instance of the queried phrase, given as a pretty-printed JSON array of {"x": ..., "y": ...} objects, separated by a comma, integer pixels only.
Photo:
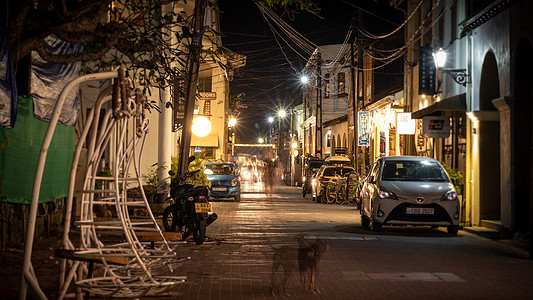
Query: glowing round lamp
[
  {"x": 270, "y": 119},
  {"x": 304, "y": 79},
  {"x": 232, "y": 122},
  {"x": 282, "y": 113},
  {"x": 261, "y": 140},
  {"x": 201, "y": 126},
  {"x": 294, "y": 145}
]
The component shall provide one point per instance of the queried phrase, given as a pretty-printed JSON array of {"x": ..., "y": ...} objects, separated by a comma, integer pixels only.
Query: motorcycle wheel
[
  {"x": 170, "y": 218},
  {"x": 173, "y": 221},
  {"x": 199, "y": 232}
]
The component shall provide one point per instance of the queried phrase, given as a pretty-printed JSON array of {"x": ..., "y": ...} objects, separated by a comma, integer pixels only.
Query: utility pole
[
  {"x": 318, "y": 123},
  {"x": 193, "y": 66},
  {"x": 360, "y": 80},
  {"x": 354, "y": 109}
]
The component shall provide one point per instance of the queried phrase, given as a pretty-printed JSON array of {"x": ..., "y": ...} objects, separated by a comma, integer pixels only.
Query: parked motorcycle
[{"x": 189, "y": 210}]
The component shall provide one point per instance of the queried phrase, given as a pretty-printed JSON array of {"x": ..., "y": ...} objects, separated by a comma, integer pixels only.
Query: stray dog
[{"x": 306, "y": 258}]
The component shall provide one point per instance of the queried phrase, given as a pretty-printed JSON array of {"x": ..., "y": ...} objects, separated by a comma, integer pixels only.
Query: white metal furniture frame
[{"x": 146, "y": 271}]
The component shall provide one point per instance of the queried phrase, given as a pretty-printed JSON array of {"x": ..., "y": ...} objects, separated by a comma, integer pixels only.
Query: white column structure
[{"x": 164, "y": 139}]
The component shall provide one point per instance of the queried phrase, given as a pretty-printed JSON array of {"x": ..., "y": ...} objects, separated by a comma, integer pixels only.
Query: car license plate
[
  {"x": 419, "y": 210},
  {"x": 202, "y": 207},
  {"x": 219, "y": 189}
]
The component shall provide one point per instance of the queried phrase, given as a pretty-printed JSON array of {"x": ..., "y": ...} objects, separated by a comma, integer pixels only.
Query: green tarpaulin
[{"x": 19, "y": 152}]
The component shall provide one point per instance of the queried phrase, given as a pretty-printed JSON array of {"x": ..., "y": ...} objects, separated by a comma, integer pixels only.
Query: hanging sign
[
  {"x": 179, "y": 103},
  {"x": 436, "y": 126},
  {"x": 363, "y": 138},
  {"x": 405, "y": 124}
]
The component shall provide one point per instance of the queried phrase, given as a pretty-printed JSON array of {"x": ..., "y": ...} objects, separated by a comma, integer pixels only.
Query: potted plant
[{"x": 154, "y": 188}]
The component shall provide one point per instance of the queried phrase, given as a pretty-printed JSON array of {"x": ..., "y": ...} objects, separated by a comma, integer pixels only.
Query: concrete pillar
[{"x": 505, "y": 159}]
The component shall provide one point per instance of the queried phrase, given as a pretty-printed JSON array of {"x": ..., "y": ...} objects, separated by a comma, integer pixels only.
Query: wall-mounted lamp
[{"x": 459, "y": 75}]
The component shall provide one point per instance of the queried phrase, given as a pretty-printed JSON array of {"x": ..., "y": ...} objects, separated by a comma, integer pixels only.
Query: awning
[
  {"x": 210, "y": 140},
  {"x": 455, "y": 103}
]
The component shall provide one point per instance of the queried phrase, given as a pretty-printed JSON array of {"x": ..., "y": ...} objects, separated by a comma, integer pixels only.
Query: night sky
[{"x": 270, "y": 80}]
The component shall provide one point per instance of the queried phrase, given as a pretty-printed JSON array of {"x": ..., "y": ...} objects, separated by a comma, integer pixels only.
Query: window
[
  {"x": 453, "y": 22},
  {"x": 205, "y": 81},
  {"x": 341, "y": 81},
  {"x": 326, "y": 85},
  {"x": 209, "y": 152}
]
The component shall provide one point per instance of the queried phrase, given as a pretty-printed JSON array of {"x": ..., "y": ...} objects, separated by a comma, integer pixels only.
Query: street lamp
[
  {"x": 232, "y": 122},
  {"x": 459, "y": 75},
  {"x": 260, "y": 140},
  {"x": 201, "y": 126}
]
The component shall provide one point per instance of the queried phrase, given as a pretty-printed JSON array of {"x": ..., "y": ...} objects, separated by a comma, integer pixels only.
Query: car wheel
[
  {"x": 453, "y": 229},
  {"x": 375, "y": 226},
  {"x": 364, "y": 220},
  {"x": 238, "y": 198},
  {"x": 319, "y": 198}
]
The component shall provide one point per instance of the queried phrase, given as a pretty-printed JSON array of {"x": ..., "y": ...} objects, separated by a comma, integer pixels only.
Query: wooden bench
[
  {"x": 154, "y": 236},
  {"x": 71, "y": 254}
]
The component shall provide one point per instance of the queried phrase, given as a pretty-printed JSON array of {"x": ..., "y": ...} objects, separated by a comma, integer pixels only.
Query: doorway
[{"x": 489, "y": 148}]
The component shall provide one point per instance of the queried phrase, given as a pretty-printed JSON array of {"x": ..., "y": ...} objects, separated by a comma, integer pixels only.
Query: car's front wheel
[
  {"x": 364, "y": 220},
  {"x": 452, "y": 229},
  {"x": 374, "y": 225}
]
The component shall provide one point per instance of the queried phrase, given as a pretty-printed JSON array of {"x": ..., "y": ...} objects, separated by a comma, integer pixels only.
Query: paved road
[{"x": 398, "y": 263}]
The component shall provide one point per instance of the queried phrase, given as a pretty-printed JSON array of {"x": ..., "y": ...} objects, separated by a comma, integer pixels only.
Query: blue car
[{"x": 224, "y": 182}]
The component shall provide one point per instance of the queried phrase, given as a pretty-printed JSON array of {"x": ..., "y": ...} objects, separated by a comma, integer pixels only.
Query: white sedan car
[{"x": 409, "y": 190}]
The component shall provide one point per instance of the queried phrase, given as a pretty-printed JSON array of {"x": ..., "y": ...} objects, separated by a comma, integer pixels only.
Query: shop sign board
[
  {"x": 405, "y": 124},
  {"x": 363, "y": 138},
  {"x": 436, "y": 126}
]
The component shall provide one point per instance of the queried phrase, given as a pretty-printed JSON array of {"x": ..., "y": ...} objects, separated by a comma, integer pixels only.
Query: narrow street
[{"x": 399, "y": 262}]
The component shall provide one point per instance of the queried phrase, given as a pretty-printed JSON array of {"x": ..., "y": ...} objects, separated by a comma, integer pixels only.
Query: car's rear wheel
[{"x": 452, "y": 229}]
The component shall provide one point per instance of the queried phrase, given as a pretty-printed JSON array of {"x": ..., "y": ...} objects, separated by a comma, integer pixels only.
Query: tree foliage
[{"x": 148, "y": 36}]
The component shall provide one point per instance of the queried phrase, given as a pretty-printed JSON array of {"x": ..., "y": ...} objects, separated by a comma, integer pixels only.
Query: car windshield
[
  {"x": 221, "y": 169},
  {"x": 338, "y": 171},
  {"x": 413, "y": 171}
]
